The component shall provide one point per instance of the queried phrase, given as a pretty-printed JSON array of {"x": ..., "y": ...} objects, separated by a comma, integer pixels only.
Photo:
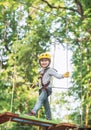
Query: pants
[{"x": 43, "y": 100}]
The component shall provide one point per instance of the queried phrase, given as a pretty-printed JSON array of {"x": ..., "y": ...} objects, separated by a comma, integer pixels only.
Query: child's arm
[
  {"x": 33, "y": 85},
  {"x": 54, "y": 73}
]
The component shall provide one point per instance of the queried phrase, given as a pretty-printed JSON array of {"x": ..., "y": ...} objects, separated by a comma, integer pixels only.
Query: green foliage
[{"x": 28, "y": 28}]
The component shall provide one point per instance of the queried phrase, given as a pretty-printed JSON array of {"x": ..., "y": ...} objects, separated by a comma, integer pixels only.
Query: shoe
[
  {"x": 31, "y": 113},
  {"x": 48, "y": 118}
]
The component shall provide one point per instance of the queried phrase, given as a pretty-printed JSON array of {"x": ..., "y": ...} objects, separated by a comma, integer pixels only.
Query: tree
[{"x": 28, "y": 28}]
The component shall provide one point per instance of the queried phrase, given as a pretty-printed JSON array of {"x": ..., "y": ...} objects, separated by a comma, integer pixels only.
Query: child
[{"x": 45, "y": 86}]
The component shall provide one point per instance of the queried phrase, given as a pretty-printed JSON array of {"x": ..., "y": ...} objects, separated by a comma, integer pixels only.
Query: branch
[
  {"x": 59, "y": 7},
  {"x": 80, "y": 9}
]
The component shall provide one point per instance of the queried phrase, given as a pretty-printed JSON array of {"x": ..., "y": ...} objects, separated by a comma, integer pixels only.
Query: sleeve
[{"x": 53, "y": 72}]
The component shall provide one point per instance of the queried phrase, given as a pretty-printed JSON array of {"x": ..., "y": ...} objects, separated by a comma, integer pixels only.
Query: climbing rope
[
  {"x": 81, "y": 121},
  {"x": 12, "y": 97},
  {"x": 67, "y": 58}
]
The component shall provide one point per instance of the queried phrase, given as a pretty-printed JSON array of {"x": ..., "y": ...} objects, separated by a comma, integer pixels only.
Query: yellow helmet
[{"x": 44, "y": 55}]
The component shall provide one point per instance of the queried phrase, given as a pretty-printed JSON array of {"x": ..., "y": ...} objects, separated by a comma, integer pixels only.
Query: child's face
[{"x": 44, "y": 63}]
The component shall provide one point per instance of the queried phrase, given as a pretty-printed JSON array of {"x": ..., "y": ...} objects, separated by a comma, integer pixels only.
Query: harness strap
[{"x": 44, "y": 86}]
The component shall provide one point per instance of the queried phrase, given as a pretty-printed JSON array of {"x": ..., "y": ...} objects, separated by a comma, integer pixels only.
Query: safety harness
[{"x": 44, "y": 86}]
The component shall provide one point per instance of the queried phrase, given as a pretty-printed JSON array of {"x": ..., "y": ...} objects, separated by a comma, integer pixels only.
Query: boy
[{"x": 45, "y": 86}]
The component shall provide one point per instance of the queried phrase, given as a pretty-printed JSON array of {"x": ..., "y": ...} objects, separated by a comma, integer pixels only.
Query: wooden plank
[
  {"x": 7, "y": 116},
  {"x": 4, "y": 117},
  {"x": 31, "y": 120},
  {"x": 63, "y": 126}
]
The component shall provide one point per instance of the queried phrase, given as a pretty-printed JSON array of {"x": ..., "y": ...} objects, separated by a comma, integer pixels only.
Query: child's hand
[
  {"x": 66, "y": 75},
  {"x": 33, "y": 85}
]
